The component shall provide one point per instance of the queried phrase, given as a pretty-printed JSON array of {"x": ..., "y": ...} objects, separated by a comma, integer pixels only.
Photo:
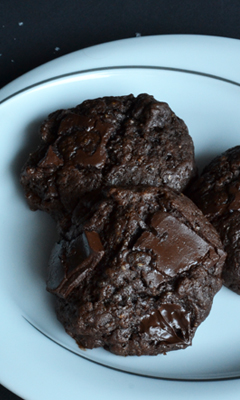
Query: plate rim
[
  {"x": 117, "y": 67},
  {"x": 86, "y": 57}
]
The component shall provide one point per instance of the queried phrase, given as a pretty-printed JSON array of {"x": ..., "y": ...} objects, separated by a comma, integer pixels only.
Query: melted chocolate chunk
[
  {"x": 72, "y": 262},
  {"x": 176, "y": 246},
  {"x": 170, "y": 324},
  {"x": 98, "y": 134},
  {"x": 52, "y": 160}
]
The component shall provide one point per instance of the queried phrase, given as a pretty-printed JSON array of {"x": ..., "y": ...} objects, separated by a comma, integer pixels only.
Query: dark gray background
[{"x": 33, "y": 32}]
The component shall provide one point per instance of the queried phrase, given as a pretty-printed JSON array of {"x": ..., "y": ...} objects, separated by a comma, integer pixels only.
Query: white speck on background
[
  {"x": 3, "y": 26},
  {"x": 0, "y": 54},
  {"x": 57, "y": 48},
  {"x": 12, "y": 60},
  {"x": 14, "y": 38},
  {"x": 138, "y": 34},
  {"x": 20, "y": 23}
]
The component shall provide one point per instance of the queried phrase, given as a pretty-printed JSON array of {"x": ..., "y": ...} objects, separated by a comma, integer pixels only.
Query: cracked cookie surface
[{"x": 106, "y": 142}]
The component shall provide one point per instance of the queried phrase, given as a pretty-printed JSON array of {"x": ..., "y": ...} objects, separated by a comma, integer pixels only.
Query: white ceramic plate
[{"x": 38, "y": 360}]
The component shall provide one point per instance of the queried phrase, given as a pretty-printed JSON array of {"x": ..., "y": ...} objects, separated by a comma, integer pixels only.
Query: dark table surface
[{"x": 34, "y": 32}]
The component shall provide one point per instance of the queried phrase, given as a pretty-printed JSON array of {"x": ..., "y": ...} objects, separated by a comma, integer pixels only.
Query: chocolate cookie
[
  {"x": 106, "y": 142},
  {"x": 140, "y": 276},
  {"x": 217, "y": 194}
]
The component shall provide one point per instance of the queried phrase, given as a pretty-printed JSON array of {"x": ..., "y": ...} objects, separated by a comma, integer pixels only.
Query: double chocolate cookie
[
  {"x": 140, "y": 275},
  {"x": 217, "y": 194},
  {"x": 102, "y": 143}
]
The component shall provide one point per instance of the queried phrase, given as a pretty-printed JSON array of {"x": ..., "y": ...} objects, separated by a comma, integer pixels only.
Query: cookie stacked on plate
[{"x": 137, "y": 263}]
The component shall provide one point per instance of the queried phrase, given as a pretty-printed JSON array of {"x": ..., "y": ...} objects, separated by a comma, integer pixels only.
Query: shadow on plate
[{"x": 204, "y": 159}]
